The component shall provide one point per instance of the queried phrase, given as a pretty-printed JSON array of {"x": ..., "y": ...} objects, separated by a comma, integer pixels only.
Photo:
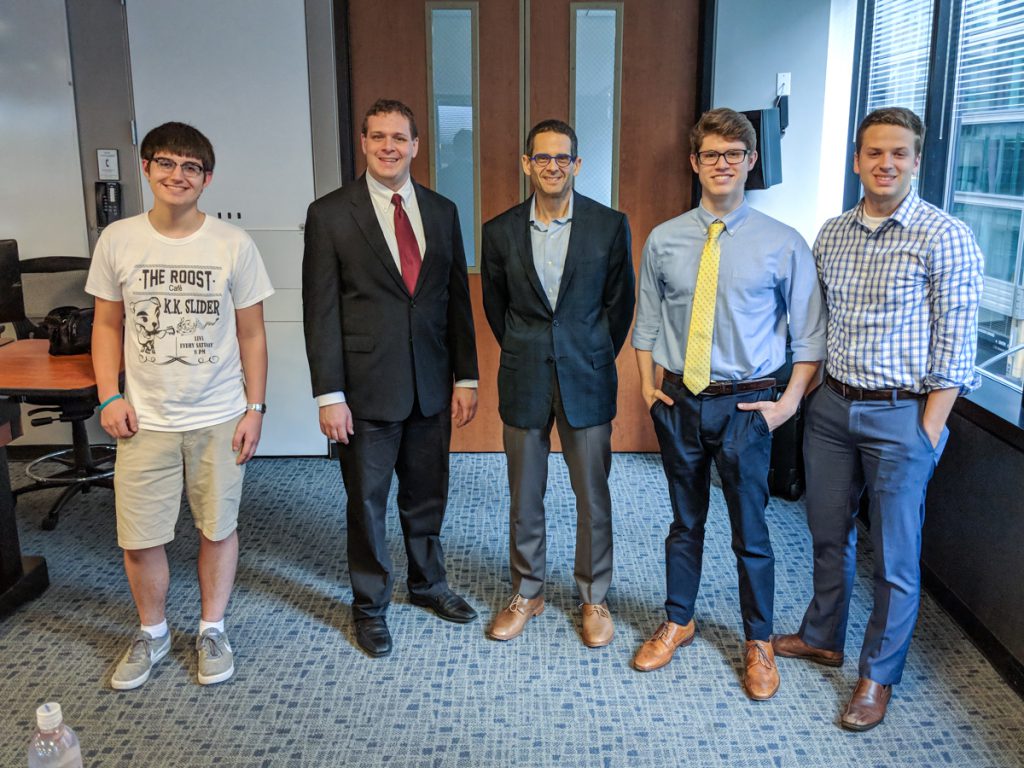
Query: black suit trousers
[{"x": 415, "y": 449}]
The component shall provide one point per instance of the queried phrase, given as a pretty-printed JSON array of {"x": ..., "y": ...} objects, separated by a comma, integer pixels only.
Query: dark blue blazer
[{"x": 579, "y": 340}]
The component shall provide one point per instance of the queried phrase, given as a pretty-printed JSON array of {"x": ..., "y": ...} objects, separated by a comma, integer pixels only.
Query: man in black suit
[
  {"x": 558, "y": 292},
  {"x": 389, "y": 330}
]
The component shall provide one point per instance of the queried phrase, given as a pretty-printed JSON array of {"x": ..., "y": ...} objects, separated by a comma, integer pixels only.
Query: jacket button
[
  {"x": 555, "y": 323},
  {"x": 550, "y": 360}
]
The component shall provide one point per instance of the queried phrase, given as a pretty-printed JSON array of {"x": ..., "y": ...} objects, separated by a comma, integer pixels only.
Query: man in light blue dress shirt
[
  {"x": 902, "y": 282},
  {"x": 766, "y": 284}
]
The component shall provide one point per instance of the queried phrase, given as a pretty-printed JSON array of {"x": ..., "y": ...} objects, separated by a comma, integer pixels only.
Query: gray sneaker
[
  {"x": 136, "y": 664},
  {"x": 216, "y": 660}
]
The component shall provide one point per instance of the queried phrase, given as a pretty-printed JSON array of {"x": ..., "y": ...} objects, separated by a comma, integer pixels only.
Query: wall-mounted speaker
[{"x": 767, "y": 171}]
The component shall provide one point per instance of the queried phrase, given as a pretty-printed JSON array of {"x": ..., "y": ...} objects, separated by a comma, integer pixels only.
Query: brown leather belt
[
  {"x": 856, "y": 393},
  {"x": 725, "y": 387}
]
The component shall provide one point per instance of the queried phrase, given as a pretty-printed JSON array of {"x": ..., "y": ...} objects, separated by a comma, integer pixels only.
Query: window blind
[
  {"x": 991, "y": 71},
  {"x": 900, "y": 46}
]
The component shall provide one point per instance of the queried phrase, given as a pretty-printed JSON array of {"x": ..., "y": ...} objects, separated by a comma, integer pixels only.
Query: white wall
[
  {"x": 41, "y": 203},
  {"x": 813, "y": 40}
]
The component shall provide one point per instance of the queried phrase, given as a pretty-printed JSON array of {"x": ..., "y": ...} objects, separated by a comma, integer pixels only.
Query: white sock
[
  {"x": 155, "y": 630},
  {"x": 205, "y": 625}
]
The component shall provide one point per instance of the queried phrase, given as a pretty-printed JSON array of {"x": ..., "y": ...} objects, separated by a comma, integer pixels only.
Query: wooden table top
[{"x": 27, "y": 369}]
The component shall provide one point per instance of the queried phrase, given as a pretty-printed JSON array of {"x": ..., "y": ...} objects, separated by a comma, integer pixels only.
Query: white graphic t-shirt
[{"x": 182, "y": 365}]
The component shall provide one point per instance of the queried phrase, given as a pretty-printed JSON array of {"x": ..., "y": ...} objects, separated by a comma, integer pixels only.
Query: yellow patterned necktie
[{"x": 697, "y": 366}]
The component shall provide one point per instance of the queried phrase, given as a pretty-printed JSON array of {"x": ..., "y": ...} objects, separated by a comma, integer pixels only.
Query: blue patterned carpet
[{"x": 303, "y": 694}]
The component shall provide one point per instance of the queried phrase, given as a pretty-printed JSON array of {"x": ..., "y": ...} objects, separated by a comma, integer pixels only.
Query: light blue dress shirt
[
  {"x": 766, "y": 275},
  {"x": 550, "y": 245}
]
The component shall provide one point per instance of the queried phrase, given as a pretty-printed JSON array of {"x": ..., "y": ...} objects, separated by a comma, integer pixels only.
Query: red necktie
[{"x": 408, "y": 248}]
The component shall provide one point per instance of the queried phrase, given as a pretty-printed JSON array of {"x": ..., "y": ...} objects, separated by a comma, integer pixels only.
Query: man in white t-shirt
[{"x": 180, "y": 294}]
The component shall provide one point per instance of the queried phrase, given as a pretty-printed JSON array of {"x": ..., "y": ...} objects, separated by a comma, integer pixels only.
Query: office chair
[{"x": 75, "y": 469}]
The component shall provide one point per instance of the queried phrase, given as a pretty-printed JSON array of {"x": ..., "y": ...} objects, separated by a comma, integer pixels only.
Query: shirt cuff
[
  {"x": 330, "y": 398},
  {"x": 468, "y": 383}
]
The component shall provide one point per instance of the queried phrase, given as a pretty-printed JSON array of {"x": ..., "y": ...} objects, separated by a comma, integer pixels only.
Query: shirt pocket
[{"x": 750, "y": 292}]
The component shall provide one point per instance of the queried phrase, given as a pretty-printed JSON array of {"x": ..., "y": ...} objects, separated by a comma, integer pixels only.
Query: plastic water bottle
[{"x": 54, "y": 745}]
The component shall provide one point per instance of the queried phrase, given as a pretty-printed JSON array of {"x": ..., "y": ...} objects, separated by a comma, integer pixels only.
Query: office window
[
  {"x": 594, "y": 77},
  {"x": 453, "y": 94},
  {"x": 901, "y": 37},
  {"x": 974, "y": 104},
  {"x": 986, "y": 179}
]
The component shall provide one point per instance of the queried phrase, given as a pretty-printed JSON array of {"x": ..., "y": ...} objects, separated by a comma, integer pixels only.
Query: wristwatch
[{"x": 258, "y": 407}]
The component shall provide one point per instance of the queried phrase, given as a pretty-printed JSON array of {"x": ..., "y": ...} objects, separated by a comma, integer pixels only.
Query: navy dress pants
[
  {"x": 881, "y": 446},
  {"x": 692, "y": 433}
]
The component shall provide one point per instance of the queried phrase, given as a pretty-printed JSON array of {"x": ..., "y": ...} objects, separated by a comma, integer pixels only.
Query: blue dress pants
[
  {"x": 880, "y": 446},
  {"x": 692, "y": 433}
]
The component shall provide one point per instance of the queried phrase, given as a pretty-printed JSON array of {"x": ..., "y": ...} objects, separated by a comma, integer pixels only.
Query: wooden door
[{"x": 523, "y": 73}]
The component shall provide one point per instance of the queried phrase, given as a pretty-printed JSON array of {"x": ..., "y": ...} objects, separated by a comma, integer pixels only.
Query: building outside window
[
  {"x": 986, "y": 170},
  {"x": 983, "y": 166}
]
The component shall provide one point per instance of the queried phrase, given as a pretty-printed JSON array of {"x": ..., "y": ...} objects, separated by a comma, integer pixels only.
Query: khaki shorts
[{"x": 150, "y": 471}]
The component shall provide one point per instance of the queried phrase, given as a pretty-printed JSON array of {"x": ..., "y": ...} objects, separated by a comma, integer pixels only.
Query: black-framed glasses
[
  {"x": 189, "y": 169},
  {"x": 732, "y": 156},
  {"x": 542, "y": 159}
]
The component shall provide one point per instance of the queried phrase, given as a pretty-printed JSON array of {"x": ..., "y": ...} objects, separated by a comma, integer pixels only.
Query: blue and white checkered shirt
[{"x": 902, "y": 300}]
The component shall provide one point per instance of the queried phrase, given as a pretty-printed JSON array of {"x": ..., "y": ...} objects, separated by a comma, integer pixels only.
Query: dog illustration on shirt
[{"x": 146, "y": 313}]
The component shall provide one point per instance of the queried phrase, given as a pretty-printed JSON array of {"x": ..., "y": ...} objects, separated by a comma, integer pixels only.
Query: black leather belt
[
  {"x": 725, "y": 387},
  {"x": 856, "y": 393}
]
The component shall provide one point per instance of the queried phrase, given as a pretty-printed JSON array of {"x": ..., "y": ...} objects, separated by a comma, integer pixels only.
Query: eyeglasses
[
  {"x": 732, "y": 156},
  {"x": 189, "y": 169},
  {"x": 562, "y": 161}
]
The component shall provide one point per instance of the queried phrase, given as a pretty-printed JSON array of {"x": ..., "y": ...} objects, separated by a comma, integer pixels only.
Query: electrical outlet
[{"x": 782, "y": 83}]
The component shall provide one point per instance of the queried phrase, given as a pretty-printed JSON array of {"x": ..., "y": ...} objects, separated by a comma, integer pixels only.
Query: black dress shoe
[
  {"x": 447, "y": 605},
  {"x": 373, "y": 636}
]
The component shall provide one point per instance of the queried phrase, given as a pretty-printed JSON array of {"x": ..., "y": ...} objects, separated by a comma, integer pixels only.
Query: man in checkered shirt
[{"x": 902, "y": 281}]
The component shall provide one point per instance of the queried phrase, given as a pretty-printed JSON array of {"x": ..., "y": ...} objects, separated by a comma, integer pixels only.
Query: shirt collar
[
  {"x": 383, "y": 194},
  {"x": 732, "y": 220},
  {"x": 564, "y": 220},
  {"x": 903, "y": 215}
]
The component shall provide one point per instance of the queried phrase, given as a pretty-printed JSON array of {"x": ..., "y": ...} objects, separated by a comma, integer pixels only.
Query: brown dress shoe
[
  {"x": 793, "y": 647},
  {"x": 512, "y": 620},
  {"x": 761, "y": 679},
  {"x": 657, "y": 652},
  {"x": 598, "y": 628},
  {"x": 867, "y": 705}
]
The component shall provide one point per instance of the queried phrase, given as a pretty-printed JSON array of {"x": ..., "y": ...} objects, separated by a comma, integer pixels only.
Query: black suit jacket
[
  {"x": 365, "y": 334},
  {"x": 584, "y": 333}
]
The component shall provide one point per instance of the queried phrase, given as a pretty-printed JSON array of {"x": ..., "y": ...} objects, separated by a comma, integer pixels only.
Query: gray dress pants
[{"x": 588, "y": 455}]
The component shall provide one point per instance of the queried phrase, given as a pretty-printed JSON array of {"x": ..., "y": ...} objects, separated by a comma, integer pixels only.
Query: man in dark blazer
[
  {"x": 389, "y": 331},
  {"x": 558, "y": 292}
]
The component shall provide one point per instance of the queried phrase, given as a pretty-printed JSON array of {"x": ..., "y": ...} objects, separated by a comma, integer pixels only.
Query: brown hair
[
  {"x": 724, "y": 122},
  {"x": 179, "y": 139},
  {"x": 898, "y": 116},
  {"x": 391, "y": 106}
]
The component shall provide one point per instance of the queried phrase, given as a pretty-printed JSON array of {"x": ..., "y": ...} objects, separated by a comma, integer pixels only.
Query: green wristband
[{"x": 109, "y": 400}]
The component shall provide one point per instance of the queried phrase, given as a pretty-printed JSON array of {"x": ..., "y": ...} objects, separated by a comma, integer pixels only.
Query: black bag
[
  {"x": 786, "y": 471},
  {"x": 69, "y": 330}
]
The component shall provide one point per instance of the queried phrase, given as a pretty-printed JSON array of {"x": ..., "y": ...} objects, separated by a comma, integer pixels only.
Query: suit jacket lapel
[
  {"x": 524, "y": 246},
  {"x": 432, "y": 233},
  {"x": 576, "y": 249},
  {"x": 366, "y": 219}
]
